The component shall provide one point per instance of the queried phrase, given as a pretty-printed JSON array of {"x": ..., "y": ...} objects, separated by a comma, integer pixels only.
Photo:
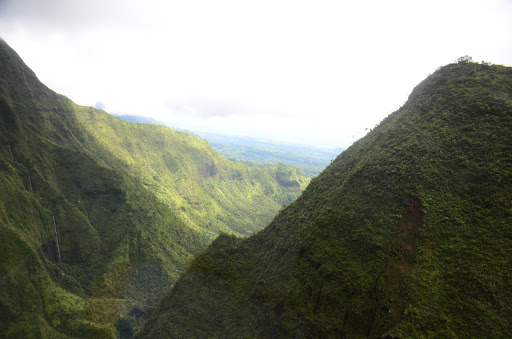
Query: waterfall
[
  {"x": 10, "y": 151},
  {"x": 30, "y": 183},
  {"x": 46, "y": 234},
  {"x": 56, "y": 239}
]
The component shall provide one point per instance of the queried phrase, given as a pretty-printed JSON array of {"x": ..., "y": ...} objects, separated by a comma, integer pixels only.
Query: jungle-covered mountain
[
  {"x": 98, "y": 216},
  {"x": 408, "y": 233}
]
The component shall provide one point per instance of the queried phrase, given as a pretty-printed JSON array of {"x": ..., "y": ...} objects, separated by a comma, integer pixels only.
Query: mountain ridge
[{"x": 407, "y": 233}]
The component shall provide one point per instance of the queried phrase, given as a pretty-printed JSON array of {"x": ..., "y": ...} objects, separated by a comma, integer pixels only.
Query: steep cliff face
[
  {"x": 407, "y": 233},
  {"x": 99, "y": 216}
]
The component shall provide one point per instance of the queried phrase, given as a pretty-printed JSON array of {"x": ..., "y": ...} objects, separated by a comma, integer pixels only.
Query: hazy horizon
[{"x": 318, "y": 74}]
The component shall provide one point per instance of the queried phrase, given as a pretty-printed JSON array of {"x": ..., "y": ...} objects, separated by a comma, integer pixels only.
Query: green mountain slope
[
  {"x": 408, "y": 233},
  {"x": 99, "y": 216}
]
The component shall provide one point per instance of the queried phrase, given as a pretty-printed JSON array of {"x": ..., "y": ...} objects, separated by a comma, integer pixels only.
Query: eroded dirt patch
[{"x": 401, "y": 262}]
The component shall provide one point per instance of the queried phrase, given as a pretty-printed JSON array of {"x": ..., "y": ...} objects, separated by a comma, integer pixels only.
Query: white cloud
[{"x": 317, "y": 71}]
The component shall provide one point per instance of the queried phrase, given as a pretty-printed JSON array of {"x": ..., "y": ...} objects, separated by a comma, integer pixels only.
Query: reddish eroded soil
[
  {"x": 412, "y": 219},
  {"x": 401, "y": 263}
]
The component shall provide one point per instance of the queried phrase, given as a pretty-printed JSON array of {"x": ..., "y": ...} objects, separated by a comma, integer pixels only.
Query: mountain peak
[
  {"x": 407, "y": 233},
  {"x": 17, "y": 80}
]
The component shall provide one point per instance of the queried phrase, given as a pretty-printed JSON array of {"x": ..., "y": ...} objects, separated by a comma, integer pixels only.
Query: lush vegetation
[
  {"x": 99, "y": 216},
  {"x": 143, "y": 120},
  {"x": 408, "y": 233}
]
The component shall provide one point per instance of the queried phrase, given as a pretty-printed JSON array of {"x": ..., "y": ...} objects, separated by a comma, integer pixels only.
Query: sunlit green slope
[
  {"x": 99, "y": 216},
  {"x": 408, "y": 233}
]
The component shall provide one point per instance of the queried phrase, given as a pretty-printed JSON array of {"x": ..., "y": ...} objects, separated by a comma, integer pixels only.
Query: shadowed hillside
[{"x": 408, "y": 233}]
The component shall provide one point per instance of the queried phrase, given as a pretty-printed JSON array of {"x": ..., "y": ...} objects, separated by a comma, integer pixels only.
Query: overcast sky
[{"x": 316, "y": 72}]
